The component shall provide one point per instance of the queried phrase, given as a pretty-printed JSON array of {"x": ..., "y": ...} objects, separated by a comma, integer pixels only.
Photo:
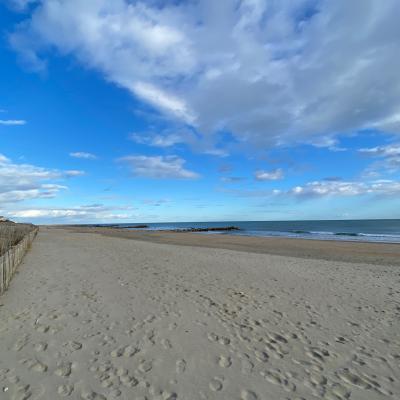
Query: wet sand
[
  {"x": 97, "y": 317},
  {"x": 346, "y": 251}
]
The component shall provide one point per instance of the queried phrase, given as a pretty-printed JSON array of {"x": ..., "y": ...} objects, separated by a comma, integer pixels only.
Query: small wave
[
  {"x": 322, "y": 233},
  {"x": 335, "y": 233},
  {"x": 301, "y": 232},
  {"x": 383, "y": 235}
]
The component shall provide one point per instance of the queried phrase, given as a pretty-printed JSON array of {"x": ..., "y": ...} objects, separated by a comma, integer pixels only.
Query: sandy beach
[
  {"x": 183, "y": 316},
  {"x": 330, "y": 250}
]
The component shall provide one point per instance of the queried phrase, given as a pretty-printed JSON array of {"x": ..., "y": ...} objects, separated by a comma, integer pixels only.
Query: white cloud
[
  {"x": 328, "y": 142},
  {"x": 92, "y": 212},
  {"x": 391, "y": 150},
  {"x": 273, "y": 175},
  {"x": 19, "y": 182},
  {"x": 41, "y": 192},
  {"x": 166, "y": 102},
  {"x": 169, "y": 137},
  {"x": 325, "y": 189},
  {"x": 388, "y": 158},
  {"x": 158, "y": 140},
  {"x": 159, "y": 167},
  {"x": 53, "y": 213},
  {"x": 12, "y": 122},
  {"x": 83, "y": 155},
  {"x": 341, "y": 188},
  {"x": 269, "y": 72},
  {"x": 74, "y": 172},
  {"x": 213, "y": 151}
]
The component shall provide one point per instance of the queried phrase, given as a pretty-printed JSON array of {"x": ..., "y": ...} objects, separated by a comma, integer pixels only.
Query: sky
[{"x": 158, "y": 111}]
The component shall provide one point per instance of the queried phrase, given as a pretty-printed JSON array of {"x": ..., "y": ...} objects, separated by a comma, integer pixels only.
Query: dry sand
[{"x": 96, "y": 317}]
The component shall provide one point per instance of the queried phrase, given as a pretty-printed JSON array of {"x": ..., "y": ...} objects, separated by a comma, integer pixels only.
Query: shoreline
[
  {"x": 343, "y": 230},
  {"x": 330, "y": 250}
]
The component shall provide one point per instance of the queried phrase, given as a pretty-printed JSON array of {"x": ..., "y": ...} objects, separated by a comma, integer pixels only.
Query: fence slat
[{"x": 10, "y": 260}]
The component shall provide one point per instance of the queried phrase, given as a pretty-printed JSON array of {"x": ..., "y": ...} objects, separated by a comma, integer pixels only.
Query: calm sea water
[{"x": 377, "y": 230}]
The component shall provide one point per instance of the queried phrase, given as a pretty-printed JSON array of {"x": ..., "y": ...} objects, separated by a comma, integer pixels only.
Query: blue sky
[{"x": 199, "y": 110}]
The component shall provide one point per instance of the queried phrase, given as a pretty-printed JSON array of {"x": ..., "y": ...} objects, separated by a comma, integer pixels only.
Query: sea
[{"x": 367, "y": 230}]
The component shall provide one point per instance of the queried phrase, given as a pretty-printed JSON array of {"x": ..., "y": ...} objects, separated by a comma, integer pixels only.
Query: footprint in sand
[
  {"x": 248, "y": 395},
  {"x": 20, "y": 344},
  {"x": 64, "y": 369},
  {"x": 224, "y": 362},
  {"x": 169, "y": 396},
  {"x": 352, "y": 378},
  {"x": 115, "y": 393},
  {"x": 42, "y": 328},
  {"x": 106, "y": 383},
  {"x": 318, "y": 379},
  {"x": 149, "y": 319},
  {"x": 276, "y": 377},
  {"x": 13, "y": 379},
  {"x": 216, "y": 384},
  {"x": 23, "y": 392},
  {"x": 224, "y": 340},
  {"x": 172, "y": 326},
  {"x": 42, "y": 346},
  {"x": 73, "y": 346},
  {"x": 129, "y": 381},
  {"x": 145, "y": 366},
  {"x": 65, "y": 390},
  {"x": 90, "y": 395},
  {"x": 34, "y": 365},
  {"x": 117, "y": 353},
  {"x": 261, "y": 356},
  {"x": 130, "y": 351},
  {"x": 166, "y": 344},
  {"x": 180, "y": 366},
  {"x": 121, "y": 371},
  {"x": 247, "y": 367}
]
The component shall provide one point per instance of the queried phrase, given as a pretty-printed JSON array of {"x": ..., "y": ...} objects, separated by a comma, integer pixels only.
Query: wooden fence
[{"x": 10, "y": 260}]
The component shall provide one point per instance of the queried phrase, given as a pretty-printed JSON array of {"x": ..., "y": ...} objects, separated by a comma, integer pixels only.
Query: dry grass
[{"x": 11, "y": 234}]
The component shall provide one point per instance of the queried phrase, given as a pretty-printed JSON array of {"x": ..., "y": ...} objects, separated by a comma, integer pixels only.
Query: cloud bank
[
  {"x": 388, "y": 158},
  {"x": 86, "y": 212},
  {"x": 317, "y": 189},
  {"x": 268, "y": 72},
  {"x": 20, "y": 182}
]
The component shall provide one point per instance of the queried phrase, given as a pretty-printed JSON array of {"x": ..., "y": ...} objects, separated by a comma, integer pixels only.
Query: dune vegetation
[{"x": 12, "y": 233}]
